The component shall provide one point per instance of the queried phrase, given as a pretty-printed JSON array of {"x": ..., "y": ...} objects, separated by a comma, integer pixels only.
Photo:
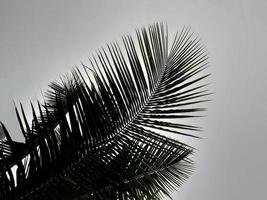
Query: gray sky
[{"x": 41, "y": 40}]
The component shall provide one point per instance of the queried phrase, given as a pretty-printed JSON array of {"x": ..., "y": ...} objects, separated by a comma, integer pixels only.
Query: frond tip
[{"x": 101, "y": 133}]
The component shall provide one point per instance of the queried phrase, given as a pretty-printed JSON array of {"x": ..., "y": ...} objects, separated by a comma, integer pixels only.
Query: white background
[{"x": 41, "y": 40}]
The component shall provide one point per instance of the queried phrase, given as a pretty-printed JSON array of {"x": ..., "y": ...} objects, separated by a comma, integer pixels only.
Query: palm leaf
[{"x": 100, "y": 132}]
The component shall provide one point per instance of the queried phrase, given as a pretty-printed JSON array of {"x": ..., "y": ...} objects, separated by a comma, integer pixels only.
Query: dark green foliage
[{"x": 99, "y": 134}]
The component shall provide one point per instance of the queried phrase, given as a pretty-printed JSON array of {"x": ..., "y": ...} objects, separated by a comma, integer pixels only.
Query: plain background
[{"x": 41, "y": 40}]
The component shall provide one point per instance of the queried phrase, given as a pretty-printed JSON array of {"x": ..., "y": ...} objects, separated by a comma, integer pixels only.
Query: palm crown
[{"x": 100, "y": 133}]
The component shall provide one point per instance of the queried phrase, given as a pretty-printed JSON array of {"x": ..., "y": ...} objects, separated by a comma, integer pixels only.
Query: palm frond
[{"x": 100, "y": 132}]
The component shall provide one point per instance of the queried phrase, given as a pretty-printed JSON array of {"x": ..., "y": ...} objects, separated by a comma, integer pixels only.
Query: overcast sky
[{"x": 41, "y": 40}]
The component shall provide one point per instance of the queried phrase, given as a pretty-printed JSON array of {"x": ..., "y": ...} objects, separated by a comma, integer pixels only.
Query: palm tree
[{"x": 100, "y": 133}]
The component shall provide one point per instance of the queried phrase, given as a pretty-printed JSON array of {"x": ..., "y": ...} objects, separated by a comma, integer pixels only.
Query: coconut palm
[{"x": 100, "y": 133}]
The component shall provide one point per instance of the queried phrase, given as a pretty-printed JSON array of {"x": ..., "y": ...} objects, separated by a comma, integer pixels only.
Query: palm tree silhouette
[{"x": 100, "y": 133}]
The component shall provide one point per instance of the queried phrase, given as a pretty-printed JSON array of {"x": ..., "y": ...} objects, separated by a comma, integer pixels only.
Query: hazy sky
[{"x": 41, "y": 40}]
